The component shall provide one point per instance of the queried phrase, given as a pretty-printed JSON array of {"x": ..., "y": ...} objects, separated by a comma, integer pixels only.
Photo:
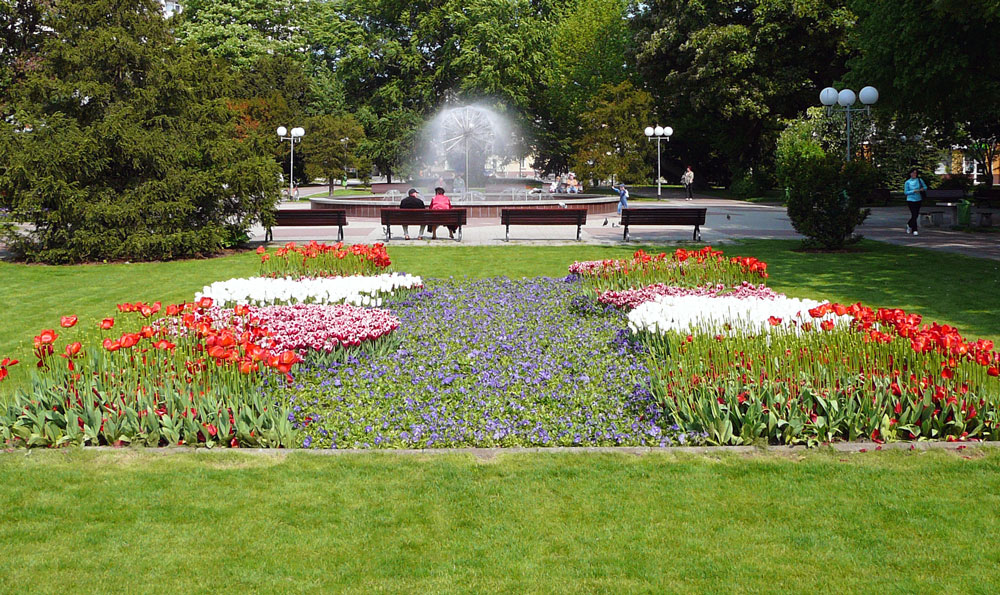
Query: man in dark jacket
[{"x": 412, "y": 201}]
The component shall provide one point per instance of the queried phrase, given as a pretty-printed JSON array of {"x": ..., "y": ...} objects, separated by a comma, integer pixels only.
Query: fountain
[{"x": 459, "y": 141}]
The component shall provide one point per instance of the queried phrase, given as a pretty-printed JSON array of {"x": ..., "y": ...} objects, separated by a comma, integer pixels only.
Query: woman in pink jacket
[{"x": 441, "y": 202}]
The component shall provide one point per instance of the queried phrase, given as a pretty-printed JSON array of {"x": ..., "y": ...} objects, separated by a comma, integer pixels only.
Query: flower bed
[
  {"x": 136, "y": 380},
  {"x": 727, "y": 313},
  {"x": 323, "y": 260},
  {"x": 630, "y": 298},
  {"x": 357, "y": 290},
  {"x": 491, "y": 363},
  {"x": 303, "y": 328},
  {"x": 682, "y": 268}
]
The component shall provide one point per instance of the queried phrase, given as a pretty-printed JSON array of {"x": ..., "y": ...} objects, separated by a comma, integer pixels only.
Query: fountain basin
[{"x": 486, "y": 207}]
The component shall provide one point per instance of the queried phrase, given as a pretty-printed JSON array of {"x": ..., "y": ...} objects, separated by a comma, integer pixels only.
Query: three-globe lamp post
[
  {"x": 846, "y": 98},
  {"x": 659, "y": 133},
  {"x": 293, "y": 136}
]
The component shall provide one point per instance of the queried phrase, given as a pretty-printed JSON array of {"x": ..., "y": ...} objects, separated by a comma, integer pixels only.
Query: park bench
[
  {"x": 448, "y": 217},
  {"x": 664, "y": 216},
  {"x": 309, "y": 218},
  {"x": 508, "y": 217}
]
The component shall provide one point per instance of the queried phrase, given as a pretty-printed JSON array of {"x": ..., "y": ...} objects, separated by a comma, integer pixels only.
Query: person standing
[
  {"x": 441, "y": 202},
  {"x": 688, "y": 180},
  {"x": 914, "y": 188},
  {"x": 412, "y": 201},
  {"x": 622, "y": 203}
]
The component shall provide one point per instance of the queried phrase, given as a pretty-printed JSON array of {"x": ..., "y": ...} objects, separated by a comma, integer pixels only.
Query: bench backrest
[
  {"x": 305, "y": 217},
  {"x": 664, "y": 216},
  {"x": 543, "y": 216},
  {"x": 397, "y": 216},
  {"x": 956, "y": 193}
]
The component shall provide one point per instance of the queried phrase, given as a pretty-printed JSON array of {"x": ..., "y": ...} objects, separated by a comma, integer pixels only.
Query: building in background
[{"x": 170, "y": 7}]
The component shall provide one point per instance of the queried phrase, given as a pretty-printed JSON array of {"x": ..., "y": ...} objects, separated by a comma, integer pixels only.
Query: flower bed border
[{"x": 487, "y": 454}]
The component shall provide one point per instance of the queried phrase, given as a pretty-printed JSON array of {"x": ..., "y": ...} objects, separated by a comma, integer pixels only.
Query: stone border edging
[{"x": 492, "y": 453}]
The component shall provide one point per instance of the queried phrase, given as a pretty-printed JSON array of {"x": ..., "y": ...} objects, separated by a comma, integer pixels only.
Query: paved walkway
[{"x": 726, "y": 220}]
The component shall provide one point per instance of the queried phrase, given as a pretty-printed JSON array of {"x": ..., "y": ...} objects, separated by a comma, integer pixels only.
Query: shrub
[{"x": 823, "y": 194}]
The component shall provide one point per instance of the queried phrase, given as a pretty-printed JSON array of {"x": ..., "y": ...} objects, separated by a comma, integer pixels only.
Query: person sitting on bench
[
  {"x": 440, "y": 202},
  {"x": 412, "y": 201}
]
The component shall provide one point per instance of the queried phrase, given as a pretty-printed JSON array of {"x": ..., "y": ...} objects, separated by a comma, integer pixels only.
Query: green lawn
[{"x": 225, "y": 522}]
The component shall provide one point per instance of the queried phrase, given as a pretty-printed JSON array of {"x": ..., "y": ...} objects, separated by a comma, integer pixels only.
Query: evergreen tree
[{"x": 120, "y": 144}]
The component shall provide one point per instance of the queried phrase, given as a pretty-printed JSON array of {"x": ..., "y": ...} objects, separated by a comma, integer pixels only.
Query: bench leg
[
  {"x": 697, "y": 234},
  {"x": 459, "y": 233},
  {"x": 340, "y": 233},
  {"x": 578, "y": 229},
  {"x": 268, "y": 235},
  {"x": 388, "y": 232},
  {"x": 625, "y": 234},
  {"x": 506, "y": 234}
]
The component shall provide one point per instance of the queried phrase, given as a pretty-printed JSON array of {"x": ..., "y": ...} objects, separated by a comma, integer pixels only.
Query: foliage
[
  {"x": 242, "y": 31},
  {"x": 823, "y": 194},
  {"x": 727, "y": 71},
  {"x": 951, "y": 82},
  {"x": 587, "y": 44},
  {"x": 609, "y": 146},
  {"x": 131, "y": 154},
  {"x": 329, "y": 148}
]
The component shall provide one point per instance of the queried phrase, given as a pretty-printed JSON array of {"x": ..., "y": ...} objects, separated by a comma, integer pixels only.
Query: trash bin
[{"x": 963, "y": 214}]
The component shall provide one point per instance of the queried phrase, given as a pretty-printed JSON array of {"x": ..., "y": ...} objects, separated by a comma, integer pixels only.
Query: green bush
[
  {"x": 749, "y": 184},
  {"x": 824, "y": 195}
]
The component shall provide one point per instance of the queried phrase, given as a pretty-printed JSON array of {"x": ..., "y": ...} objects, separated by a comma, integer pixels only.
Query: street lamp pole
[
  {"x": 661, "y": 133},
  {"x": 294, "y": 136},
  {"x": 846, "y": 98}
]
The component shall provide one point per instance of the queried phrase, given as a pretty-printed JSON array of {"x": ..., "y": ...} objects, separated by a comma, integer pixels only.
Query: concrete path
[{"x": 726, "y": 220}]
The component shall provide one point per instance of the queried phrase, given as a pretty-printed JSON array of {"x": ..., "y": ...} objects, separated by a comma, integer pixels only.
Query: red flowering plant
[
  {"x": 681, "y": 268},
  {"x": 155, "y": 376},
  {"x": 323, "y": 260},
  {"x": 882, "y": 377}
]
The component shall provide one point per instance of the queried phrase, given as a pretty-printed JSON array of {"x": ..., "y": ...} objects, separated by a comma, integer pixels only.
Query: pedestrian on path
[
  {"x": 915, "y": 189},
  {"x": 622, "y": 203},
  {"x": 688, "y": 180}
]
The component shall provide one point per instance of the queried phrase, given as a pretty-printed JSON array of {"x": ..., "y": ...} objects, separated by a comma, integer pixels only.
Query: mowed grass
[{"x": 552, "y": 522}]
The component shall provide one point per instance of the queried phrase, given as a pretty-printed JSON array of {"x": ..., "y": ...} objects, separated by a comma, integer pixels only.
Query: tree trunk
[{"x": 329, "y": 181}]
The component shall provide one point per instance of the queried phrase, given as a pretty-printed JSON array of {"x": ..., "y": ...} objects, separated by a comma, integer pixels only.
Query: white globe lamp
[
  {"x": 868, "y": 95},
  {"x": 828, "y": 96},
  {"x": 846, "y": 98},
  {"x": 649, "y": 131},
  {"x": 668, "y": 131},
  {"x": 282, "y": 131}
]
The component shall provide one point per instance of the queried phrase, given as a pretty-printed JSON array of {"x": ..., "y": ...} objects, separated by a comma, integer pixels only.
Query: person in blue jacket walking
[{"x": 914, "y": 189}]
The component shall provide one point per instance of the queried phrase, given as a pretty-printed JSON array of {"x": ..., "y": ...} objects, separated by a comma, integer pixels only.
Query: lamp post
[
  {"x": 344, "y": 142},
  {"x": 845, "y": 98},
  {"x": 660, "y": 133},
  {"x": 294, "y": 136}
]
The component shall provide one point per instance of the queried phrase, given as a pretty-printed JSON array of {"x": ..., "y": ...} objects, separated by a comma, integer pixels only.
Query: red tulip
[
  {"x": 774, "y": 320},
  {"x": 73, "y": 349},
  {"x": 205, "y": 302},
  {"x": 993, "y": 371},
  {"x": 107, "y": 323},
  {"x": 67, "y": 321}
]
